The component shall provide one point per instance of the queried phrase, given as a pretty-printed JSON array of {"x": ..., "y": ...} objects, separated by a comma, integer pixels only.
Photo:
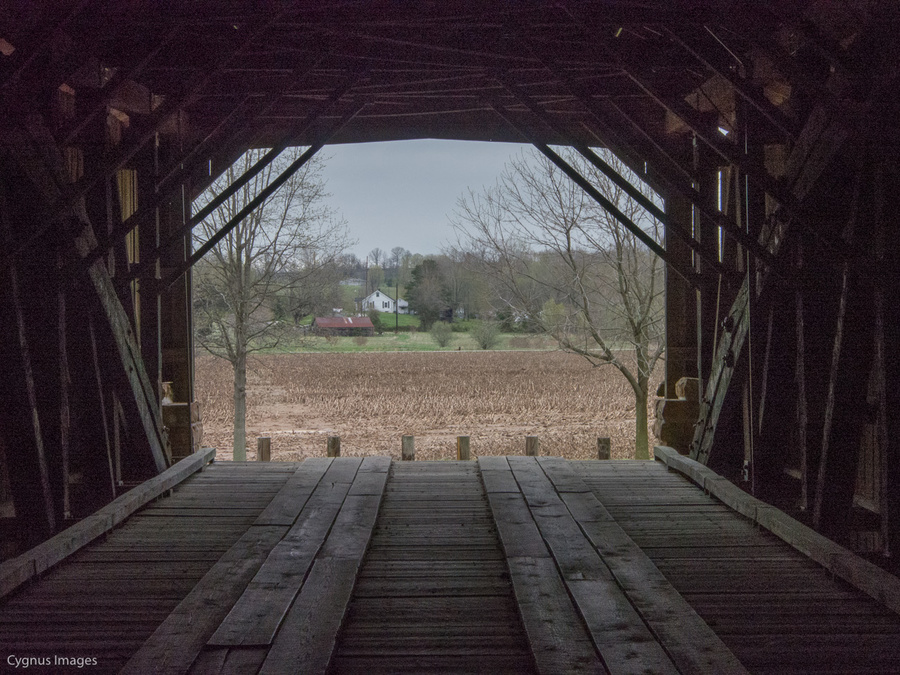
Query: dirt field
[{"x": 370, "y": 400}]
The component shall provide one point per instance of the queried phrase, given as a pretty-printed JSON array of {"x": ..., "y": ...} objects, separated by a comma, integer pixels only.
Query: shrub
[
  {"x": 360, "y": 340},
  {"x": 486, "y": 334},
  {"x": 375, "y": 317},
  {"x": 441, "y": 333}
]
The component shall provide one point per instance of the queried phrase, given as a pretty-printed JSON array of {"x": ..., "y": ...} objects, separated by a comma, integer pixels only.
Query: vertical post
[
  {"x": 707, "y": 234},
  {"x": 176, "y": 321},
  {"x": 65, "y": 416},
  {"x": 408, "y": 448},
  {"x": 462, "y": 448},
  {"x": 681, "y": 332},
  {"x": 103, "y": 414},
  {"x": 532, "y": 446},
  {"x": 333, "y": 448},
  {"x": 264, "y": 449},
  {"x": 604, "y": 448}
]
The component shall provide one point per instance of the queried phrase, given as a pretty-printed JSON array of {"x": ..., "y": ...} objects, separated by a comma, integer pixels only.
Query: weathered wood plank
[
  {"x": 256, "y": 615},
  {"x": 490, "y": 463},
  {"x": 175, "y": 644},
  {"x": 369, "y": 483},
  {"x": 685, "y": 636},
  {"x": 618, "y": 631},
  {"x": 872, "y": 580},
  {"x": 353, "y": 527},
  {"x": 499, "y": 481},
  {"x": 379, "y": 464},
  {"x": 555, "y": 631},
  {"x": 562, "y": 475},
  {"x": 289, "y": 502},
  {"x": 518, "y": 532},
  {"x": 306, "y": 640},
  {"x": 15, "y": 572}
]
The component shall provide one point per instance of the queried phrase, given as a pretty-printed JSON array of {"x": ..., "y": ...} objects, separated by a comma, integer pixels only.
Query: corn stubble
[{"x": 370, "y": 400}]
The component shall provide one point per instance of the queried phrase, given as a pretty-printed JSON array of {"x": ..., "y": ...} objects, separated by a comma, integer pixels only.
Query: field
[
  {"x": 408, "y": 342},
  {"x": 371, "y": 399}
]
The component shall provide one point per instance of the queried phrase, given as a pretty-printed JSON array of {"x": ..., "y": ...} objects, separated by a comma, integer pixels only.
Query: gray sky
[{"x": 402, "y": 193}]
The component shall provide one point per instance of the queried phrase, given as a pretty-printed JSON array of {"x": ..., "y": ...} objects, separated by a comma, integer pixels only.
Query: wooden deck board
[
  {"x": 777, "y": 610},
  {"x": 458, "y": 554},
  {"x": 433, "y": 594},
  {"x": 124, "y": 586}
]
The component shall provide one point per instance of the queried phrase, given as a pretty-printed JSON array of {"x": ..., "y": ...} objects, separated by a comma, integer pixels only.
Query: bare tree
[
  {"x": 265, "y": 260},
  {"x": 397, "y": 254},
  {"x": 555, "y": 256},
  {"x": 377, "y": 255}
]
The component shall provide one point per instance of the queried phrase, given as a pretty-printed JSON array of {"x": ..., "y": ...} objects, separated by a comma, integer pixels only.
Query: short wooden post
[
  {"x": 462, "y": 448},
  {"x": 333, "y": 449},
  {"x": 408, "y": 448},
  {"x": 264, "y": 449},
  {"x": 604, "y": 448},
  {"x": 532, "y": 446}
]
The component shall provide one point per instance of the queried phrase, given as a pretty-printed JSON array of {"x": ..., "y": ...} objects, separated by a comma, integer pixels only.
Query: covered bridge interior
[{"x": 770, "y": 129}]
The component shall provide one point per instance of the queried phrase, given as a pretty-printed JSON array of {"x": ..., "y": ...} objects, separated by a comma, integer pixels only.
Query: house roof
[
  {"x": 344, "y": 322},
  {"x": 382, "y": 294}
]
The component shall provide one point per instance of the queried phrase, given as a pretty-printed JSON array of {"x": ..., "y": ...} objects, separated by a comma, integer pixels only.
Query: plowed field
[{"x": 370, "y": 400}]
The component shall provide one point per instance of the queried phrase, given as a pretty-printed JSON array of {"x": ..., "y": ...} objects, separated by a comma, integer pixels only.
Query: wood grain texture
[
  {"x": 256, "y": 615},
  {"x": 15, "y": 572},
  {"x": 617, "y": 629},
  {"x": 869, "y": 578},
  {"x": 744, "y": 582},
  {"x": 433, "y": 593},
  {"x": 306, "y": 640},
  {"x": 692, "y": 645}
]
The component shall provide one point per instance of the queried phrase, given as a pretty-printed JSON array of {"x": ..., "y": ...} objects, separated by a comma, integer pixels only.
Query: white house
[{"x": 383, "y": 303}]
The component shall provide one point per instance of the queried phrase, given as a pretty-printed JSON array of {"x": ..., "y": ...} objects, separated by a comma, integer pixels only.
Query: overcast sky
[{"x": 402, "y": 193}]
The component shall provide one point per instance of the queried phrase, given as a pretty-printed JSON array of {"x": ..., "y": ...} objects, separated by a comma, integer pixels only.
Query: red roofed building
[{"x": 350, "y": 326}]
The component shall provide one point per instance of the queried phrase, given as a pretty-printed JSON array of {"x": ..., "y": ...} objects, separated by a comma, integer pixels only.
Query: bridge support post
[{"x": 408, "y": 448}]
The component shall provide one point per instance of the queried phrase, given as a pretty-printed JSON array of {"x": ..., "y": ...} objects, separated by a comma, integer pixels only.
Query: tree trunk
[
  {"x": 641, "y": 435},
  {"x": 641, "y": 395},
  {"x": 240, "y": 406}
]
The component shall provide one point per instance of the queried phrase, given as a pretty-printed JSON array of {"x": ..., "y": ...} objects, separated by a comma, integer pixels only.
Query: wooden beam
[
  {"x": 681, "y": 230},
  {"x": 867, "y": 577},
  {"x": 800, "y": 382},
  {"x": 614, "y": 211},
  {"x": 177, "y": 641},
  {"x": 686, "y": 637},
  {"x": 741, "y": 86},
  {"x": 104, "y": 410},
  {"x": 15, "y": 572},
  {"x": 42, "y": 464},
  {"x": 67, "y": 198},
  {"x": 820, "y": 141},
  {"x": 178, "y": 170},
  {"x": 47, "y": 172},
  {"x": 252, "y": 205},
  {"x": 65, "y": 413}
]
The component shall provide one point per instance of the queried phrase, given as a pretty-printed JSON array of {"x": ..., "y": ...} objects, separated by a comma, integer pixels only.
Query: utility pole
[{"x": 397, "y": 303}]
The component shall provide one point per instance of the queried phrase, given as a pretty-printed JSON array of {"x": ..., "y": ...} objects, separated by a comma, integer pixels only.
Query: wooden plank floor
[
  {"x": 777, "y": 611},
  {"x": 107, "y": 599},
  {"x": 509, "y": 565},
  {"x": 434, "y": 593}
]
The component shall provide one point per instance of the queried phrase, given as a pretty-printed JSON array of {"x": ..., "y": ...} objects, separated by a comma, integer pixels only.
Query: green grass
[
  {"x": 406, "y": 342},
  {"x": 405, "y": 320}
]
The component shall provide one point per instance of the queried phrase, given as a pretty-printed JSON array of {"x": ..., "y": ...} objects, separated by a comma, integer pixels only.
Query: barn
[
  {"x": 765, "y": 541},
  {"x": 344, "y": 326}
]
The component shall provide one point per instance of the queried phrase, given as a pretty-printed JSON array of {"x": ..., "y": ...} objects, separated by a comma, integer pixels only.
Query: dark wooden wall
[{"x": 781, "y": 236}]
